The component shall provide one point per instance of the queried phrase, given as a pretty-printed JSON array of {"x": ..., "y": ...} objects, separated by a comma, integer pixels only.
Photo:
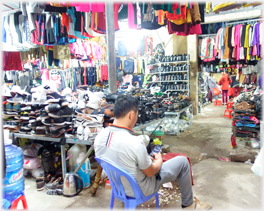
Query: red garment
[
  {"x": 170, "y": 155},
  {"x": 65, "y": 20},
  {"x": 101, "y": 23},
  {"x": 104, "y": 73},
  {"x": 174, "y": 16},
  {"x": 35, "y": 34},
  {"x": 225, "y": 81},
  {"x": 84, "y": 76},
  {"x": 12, "y": 61}
]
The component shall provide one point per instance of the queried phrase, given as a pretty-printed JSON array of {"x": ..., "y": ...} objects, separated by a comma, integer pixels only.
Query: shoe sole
[
  {"x": 57, "y": 116},
  {"x": 39, "y": 189},
  {"x": 53, "y": 101},
  {"x": 60, "y": 124},
  {"x": 64, "y": 104},
  {"x": 56, "y": 136},
  {"x": 25, "y": 128},
  {"x": 24, "y": 118},
  {"x": 36, "y": 134}
]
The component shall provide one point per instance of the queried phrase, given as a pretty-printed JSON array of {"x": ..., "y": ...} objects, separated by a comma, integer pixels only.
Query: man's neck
[{"x": 122, "y": 123}]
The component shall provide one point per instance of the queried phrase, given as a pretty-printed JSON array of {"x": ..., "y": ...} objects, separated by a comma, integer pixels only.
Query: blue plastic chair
[{"x": 115, "y": 173}]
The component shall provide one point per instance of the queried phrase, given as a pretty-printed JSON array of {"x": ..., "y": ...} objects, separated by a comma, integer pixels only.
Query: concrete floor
[{"x": 226, "y": 185}]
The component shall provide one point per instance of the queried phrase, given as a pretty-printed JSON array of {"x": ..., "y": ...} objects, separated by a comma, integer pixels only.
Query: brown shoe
[{"x": 197, "y": 205}]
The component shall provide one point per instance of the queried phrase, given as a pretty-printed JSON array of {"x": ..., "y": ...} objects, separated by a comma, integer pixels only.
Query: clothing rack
[
  {"x": 11, "y": 11},
  {"x": 247, "y": 21},
  {"x": 207, "y": 35}
]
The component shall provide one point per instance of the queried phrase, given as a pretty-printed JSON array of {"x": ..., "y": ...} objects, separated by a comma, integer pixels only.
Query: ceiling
[{"x": 6, "y": 6}]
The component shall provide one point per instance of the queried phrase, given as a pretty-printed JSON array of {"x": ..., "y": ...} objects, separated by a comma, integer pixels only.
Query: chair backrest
[{"x": 115, "y": 173}]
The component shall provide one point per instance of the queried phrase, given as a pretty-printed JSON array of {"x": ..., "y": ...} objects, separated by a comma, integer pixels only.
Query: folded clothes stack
[{"x": 247, "y": 114}]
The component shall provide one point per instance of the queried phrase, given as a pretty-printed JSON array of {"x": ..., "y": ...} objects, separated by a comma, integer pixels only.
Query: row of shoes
[
  {"x": 174, "y": 77},
  {"x": 182, "y": 86},
  {"x": 53, "y": 185},
  {"x": 169, "y": 68},
  {"x": 173, "y": 58}
]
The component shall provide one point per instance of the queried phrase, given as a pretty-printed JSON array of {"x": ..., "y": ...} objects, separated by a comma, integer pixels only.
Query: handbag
[
  {"x": 216, "y": 91},
  {"x": 129, "y": 66}
]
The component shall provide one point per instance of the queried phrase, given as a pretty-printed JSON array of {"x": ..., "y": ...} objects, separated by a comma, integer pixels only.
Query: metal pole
[{"x": 110, "y": 37}]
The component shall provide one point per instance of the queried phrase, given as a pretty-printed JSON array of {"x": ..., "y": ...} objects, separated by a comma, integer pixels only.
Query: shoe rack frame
[{"x": 182, "y": 71}]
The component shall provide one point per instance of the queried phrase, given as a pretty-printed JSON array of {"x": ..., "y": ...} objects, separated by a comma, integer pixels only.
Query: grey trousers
[{"x": 177, "y": 168}]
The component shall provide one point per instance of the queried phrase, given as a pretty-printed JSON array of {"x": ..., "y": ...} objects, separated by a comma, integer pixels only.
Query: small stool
[
  {"x": 229, "y": 113},
  {"x": 229, "y": 105},
  {"x": 15, "y": 203},
  {"x": 217, "y": 103}
]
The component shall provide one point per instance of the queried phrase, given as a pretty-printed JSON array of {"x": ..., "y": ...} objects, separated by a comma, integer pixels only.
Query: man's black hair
[{"x": 124, "y": 104}]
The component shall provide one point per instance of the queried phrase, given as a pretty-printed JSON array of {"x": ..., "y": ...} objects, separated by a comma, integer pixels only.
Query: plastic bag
[
  {"x": 216, "y": 91},
  {"x": 257, "y": 166},
  {"x": 31, "y": 163}
]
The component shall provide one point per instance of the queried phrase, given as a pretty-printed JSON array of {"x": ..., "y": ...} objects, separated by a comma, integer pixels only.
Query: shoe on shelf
[
  {"x": 18, "y": 98},
  {"x": 58, "y": 121},
  {"x": 55, "y": 192},
  {"x": 53, "y": 97},
  {"x": 57, "y": 133},
  {"x": 17, "y": 107},
  {"x": 63, "y": 102},
  {"x": 40, "y": 182},
  {"x": 38, "y": 132},
  {"x": 80, "y": 133},
  {"x": 24, "y": 115},
  {"x": 64, "y": 112},
  {"x": 9, "y": 106},
  {"x": 26, "y": 108},
  {"x": 56, "y": 184},
  {"x": 52, "y": 107},
  {"x": 47, "y": 121},
  {"x": 197, "y": 205}
]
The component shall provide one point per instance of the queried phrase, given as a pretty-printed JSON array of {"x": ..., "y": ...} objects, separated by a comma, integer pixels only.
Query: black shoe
[
  {"x": 58, "y": 121},
  {"x": 47, "y": 121},
  {"x": 52, "y": 107},
  {"x": 68, "y": 120},
  {"x": 57, "y": 133},
  {"x": 43, "y": 114},
  {"x": 63, "y": 102},
  {"x": 53, "y": 97},
  {"x": 64, "y": 112},
  {"x": 38, "y": 132}
]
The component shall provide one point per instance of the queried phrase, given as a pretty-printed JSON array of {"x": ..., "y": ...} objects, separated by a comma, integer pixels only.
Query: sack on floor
[
  {"x": 257, "y": 166},
  {"x": 216, "y": 91}
]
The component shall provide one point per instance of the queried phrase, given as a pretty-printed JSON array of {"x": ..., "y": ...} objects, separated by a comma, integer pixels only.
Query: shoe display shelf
[
  {"x": 159, "y": 72},
  {"x": 44, "y": 138},
  {"x": 142, "y": 127},
  {"x": 173, "y": 119}
]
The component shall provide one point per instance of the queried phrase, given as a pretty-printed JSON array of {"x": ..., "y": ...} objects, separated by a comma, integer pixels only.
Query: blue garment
[
  {"x": 245, "y": 125},
  {"x": 75, "y": 81},
  {"x": 4, "y": 31},
  {"x": 90, "y": 76},
  {"x": 118, "y": 61},
  {"x": 76, "y": 33},
  {"x": 137, "y": 78},
  {"x": 122, "y": 51}
]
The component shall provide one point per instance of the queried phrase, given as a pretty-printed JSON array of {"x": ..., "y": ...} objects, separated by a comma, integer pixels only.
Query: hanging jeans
[
  {"x": 224, "y": 96},
  {"x": 236, "y": 90}
]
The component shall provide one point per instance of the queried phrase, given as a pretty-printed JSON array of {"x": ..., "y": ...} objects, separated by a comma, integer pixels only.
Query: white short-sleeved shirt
[{"x": 129, "y": 152}]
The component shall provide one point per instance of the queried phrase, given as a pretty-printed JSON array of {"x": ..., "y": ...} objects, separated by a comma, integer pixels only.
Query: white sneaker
[
  {"x": 80, "y": 132},
  {"x": 87, "y": 133},
  {"x": 257, "y": 91}
]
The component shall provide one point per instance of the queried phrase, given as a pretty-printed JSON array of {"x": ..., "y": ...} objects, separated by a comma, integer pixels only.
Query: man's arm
[{"x": 155, "y": 166}]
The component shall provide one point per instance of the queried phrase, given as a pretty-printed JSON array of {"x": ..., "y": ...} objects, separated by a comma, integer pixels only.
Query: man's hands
[
  {"x": 155, "y": 166},
  {"x": 157, "y": 156}
]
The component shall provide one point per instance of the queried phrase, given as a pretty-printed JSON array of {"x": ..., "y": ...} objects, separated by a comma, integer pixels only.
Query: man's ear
[{"x": 130, "y": 115}]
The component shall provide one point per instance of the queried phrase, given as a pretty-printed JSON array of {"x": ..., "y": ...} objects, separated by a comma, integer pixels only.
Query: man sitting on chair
[{"x": 117, "y": 144}]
